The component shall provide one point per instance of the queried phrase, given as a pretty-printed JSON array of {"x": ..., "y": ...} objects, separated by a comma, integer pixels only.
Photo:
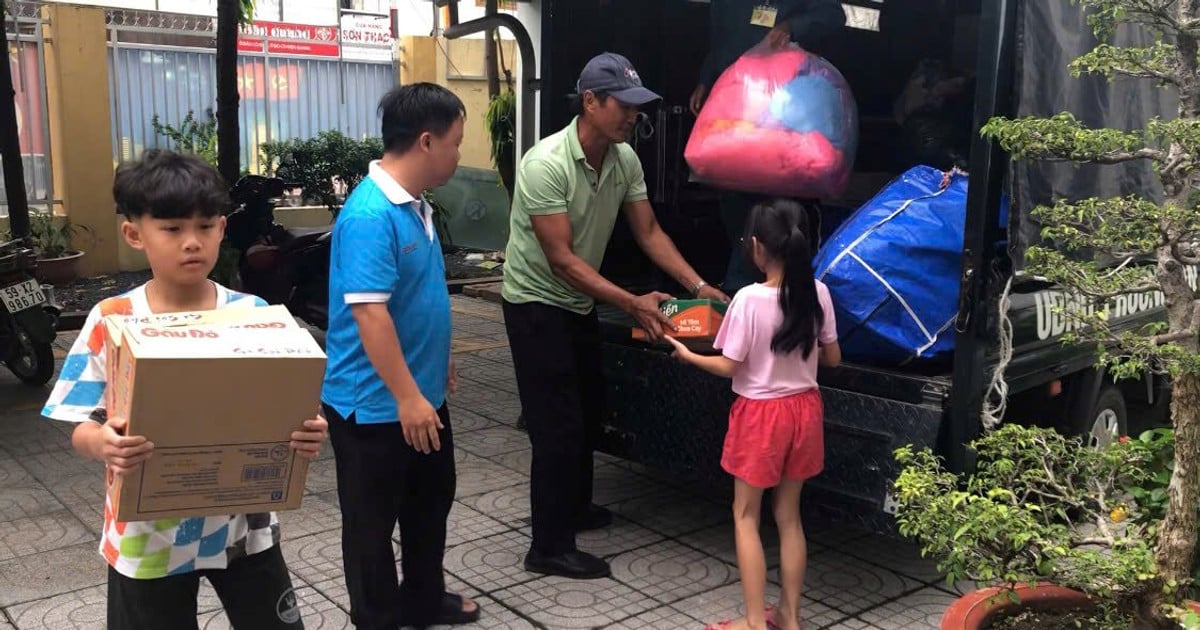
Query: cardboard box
[
  {"x": 219, "y": 394},
  {"x": 695, "y": 320}
]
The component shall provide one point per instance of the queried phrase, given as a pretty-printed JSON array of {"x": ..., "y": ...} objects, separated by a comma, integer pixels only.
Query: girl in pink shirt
[{"x": 773, "y": 336}]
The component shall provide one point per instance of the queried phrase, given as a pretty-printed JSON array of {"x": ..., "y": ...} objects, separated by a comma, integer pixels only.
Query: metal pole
[
  {"x": 993, "y": 97},
  {"x": 529, "y": 82}
]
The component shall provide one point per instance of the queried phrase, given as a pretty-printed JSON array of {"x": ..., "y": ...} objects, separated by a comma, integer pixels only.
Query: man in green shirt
[
  {"x": 736, "y": 26},
  {"x": 570, "y": 188}
]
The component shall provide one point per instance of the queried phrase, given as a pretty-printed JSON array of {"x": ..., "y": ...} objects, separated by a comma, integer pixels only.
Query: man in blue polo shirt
[{"x": 389, "y": 368}]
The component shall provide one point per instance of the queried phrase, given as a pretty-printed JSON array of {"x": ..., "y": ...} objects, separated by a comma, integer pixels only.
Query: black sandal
[{"x": 450, "y": 613}]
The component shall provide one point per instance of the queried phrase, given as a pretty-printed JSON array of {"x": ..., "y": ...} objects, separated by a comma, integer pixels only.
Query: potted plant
[
  {"x": 52, "y": 238},
  {"x": 1165, "y": 234},
  {"x": 1062, "y": 531}
]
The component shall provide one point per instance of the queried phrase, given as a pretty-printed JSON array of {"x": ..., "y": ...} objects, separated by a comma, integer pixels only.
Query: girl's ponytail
[{"x": 802, "y": 312}]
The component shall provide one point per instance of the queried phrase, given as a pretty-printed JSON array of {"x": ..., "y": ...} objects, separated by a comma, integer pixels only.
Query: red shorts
[{"x": 775, "y": 439}]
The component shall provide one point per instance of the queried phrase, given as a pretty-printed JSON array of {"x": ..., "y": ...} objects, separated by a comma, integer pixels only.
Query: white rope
[{"x": 993, "y": 413}]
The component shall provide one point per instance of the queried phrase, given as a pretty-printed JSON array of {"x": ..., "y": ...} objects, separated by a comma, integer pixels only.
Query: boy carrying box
[{"x": 173, "y": 206}]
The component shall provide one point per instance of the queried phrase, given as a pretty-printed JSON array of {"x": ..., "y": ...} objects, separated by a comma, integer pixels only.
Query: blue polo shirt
[{"x": 385, "y": 250}]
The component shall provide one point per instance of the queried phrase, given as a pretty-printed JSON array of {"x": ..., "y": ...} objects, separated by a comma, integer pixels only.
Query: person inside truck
[
  {"x": 736, "y": 26},
  {"x": 570, "y": 188}
]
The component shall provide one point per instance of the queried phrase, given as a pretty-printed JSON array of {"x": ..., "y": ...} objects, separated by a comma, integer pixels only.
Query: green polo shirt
[{"x": 555, "y": 178}]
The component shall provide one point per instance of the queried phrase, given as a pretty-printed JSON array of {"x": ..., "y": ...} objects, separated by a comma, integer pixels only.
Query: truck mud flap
[{"x": 673, "y": 417}]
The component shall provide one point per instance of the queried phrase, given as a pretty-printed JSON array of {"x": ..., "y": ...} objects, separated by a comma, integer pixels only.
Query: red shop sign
[{"x": 283, "y": 38}]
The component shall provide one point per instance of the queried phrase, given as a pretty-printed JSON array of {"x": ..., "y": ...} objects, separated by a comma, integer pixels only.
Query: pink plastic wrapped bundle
[{"x": 777, "y": 123}]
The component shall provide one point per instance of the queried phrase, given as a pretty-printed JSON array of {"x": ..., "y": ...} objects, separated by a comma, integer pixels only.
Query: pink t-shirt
[{"x": 745, "y": 336}]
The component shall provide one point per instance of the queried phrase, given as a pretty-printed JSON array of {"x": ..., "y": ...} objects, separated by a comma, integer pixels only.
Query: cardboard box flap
[
  {"x": 219, "y": 342},
  {"x": 275, "y": 316}
]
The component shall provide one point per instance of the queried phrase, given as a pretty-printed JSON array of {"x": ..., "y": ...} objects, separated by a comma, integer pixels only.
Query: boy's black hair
[
  {"x": 411, "y": 110},
  {"x": 169, "y": 185}
]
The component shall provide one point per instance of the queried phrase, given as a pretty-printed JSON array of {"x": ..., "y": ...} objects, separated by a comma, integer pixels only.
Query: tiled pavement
[{"x": 671, "y": 547}]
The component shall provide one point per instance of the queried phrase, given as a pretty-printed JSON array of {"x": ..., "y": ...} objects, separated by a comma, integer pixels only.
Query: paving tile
[
  {"x": 895, "y": 554},
  {"x": 58, "y": 464},
  {"x": 335, "y": 589},
  {"x": 508, "y": 505},
  {"x": 83, "y": 496},
  {"x": 499, "y": 355},
  {"x": 27, "y": 434},
  {"x": 834, "y": 536},
  {"x": 51, "y": 573},
  {"x": 317, "y": 612},
  {"x": 557, "y": 602},
  {"x": 517, "y": 461},
  {"x": 495, "y": 616},
  {"x": 670, "y": 572},
  {"x": 317, "y": 558},
  {"x": 719, "y": 542},
  {"x": 85, "y": 609},
  {"x": 664, "y": 618},
  {"x": 492, "y": 442},
  {"x": 466, "y": 524},
  {"x": 319, "y": 513},
  {"x": 322, "y": 477},
  {"x": 26, "y": 500},
  {"x": 728, "y": 602},
  {"x": 855, "y": 623},
  {"x": 4, "y": 625},
  {"x": 671, "y": 513},
  {"x": 477, "y": 475},
  {"x": 916, "y": 611},
  {"x": 46, "y": 532},
  {"x": 851, "y": 585},
  {"x": 463, "y": 421},
  {"x": 622, "y": 536},
  {"x": 491, "y": 563},
  {"x": 11, "y": 471},
  {"x": 613, "y": 484}
]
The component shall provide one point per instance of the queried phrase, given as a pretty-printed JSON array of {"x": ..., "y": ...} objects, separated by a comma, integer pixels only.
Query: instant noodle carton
[
  {"x": 694, "y": 319},
  {"x": 219, "y": 394}
]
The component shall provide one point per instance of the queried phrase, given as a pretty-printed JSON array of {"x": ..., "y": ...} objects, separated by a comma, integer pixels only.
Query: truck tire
[{"x": 1106, "y": 420}]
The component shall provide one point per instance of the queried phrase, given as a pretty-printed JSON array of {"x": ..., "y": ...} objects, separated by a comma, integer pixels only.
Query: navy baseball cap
[{"x": 612, "y": 74}]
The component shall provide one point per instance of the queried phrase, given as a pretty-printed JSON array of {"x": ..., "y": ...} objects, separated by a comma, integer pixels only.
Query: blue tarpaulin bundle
[{"x": 893, "y": 269}]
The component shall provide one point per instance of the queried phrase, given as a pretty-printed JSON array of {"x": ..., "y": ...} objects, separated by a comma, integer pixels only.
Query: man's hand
[
  {"x": 779, "y": 37},
  {"x": 709, "y": 292},
  {"x": 121, "y": 452},
  {"x": 420, "y": 422},
  {"x": 645, "y": 309},
  {"x": 452, "y": 377},
  {"x": 697, "y": 99},
  {"x": 307, "y": 441}
]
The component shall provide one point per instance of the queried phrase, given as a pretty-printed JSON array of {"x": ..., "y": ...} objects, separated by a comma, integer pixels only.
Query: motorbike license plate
[{"x": 18, "y": 297}]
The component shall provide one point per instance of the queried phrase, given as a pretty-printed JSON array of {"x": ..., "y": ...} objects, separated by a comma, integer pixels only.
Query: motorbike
[
  {"x": 288, "y": 266},
  {"x": 28, "y": 316}
]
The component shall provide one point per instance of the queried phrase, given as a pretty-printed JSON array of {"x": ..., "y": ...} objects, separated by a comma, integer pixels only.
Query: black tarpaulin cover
[{"x": 1051, "y": 34}]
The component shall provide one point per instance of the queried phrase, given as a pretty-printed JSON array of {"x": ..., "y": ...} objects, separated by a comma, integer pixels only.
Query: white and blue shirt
[{"x": 385, "y": 251}]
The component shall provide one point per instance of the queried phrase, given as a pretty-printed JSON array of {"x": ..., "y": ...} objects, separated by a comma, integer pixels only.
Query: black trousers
[
  {"x": 381, "y": 482},
  {"x": 556, "y": 355},
  {"x": 255, "y": 591}
]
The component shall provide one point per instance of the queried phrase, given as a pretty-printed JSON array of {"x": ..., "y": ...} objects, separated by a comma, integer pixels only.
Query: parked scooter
[
  {"x": 288, "y": 266},
  {"x": 28, "y": 318}
]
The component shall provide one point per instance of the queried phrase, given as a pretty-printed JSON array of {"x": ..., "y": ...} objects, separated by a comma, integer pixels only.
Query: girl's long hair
[{"x": 781, "y": 227}]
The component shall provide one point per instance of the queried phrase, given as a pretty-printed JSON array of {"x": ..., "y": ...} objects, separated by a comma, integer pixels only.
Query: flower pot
[
  {"x": 60, "y": 270},
  {"x": 974, "y": 610}
]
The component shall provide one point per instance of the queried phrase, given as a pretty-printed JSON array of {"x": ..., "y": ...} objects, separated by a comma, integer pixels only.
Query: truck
[{"x": 1015, "y": 53}]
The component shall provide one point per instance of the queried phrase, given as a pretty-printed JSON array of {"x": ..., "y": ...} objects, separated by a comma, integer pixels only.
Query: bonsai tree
[{"x": 1129, "y": 229}]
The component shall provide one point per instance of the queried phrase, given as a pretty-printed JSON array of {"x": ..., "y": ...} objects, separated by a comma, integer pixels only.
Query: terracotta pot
[
  {"x": 59, "y": 271},
  {"x": 973, "y": 610}
]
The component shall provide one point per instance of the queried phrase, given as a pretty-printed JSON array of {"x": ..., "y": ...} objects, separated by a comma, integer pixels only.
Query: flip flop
[
  {"x": 769, "y": 611},
  {"x": 451, "y": 613}
]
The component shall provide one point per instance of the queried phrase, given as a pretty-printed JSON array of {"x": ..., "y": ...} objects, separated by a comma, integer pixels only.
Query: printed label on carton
[{"x": 183, "y": 477}]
